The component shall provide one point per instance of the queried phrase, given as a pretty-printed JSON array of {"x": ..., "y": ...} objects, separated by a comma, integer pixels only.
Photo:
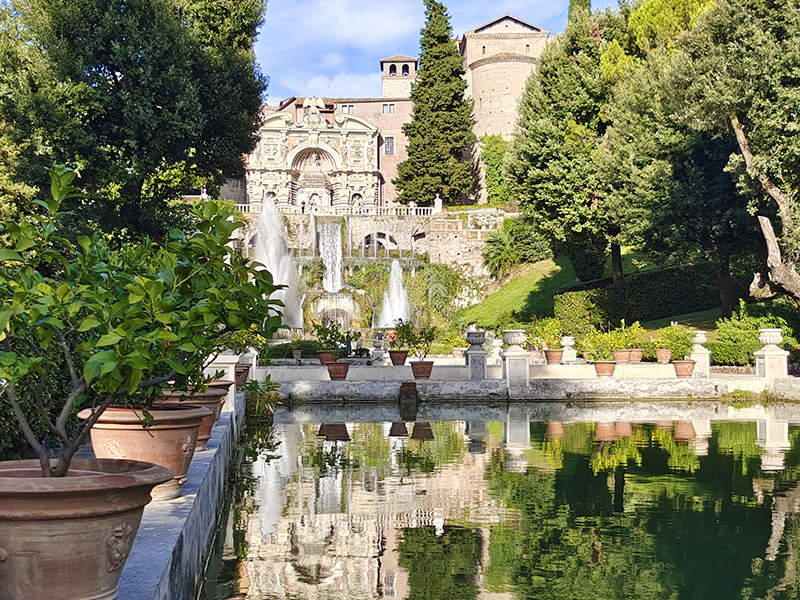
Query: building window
[
  {"x": 348, "y": 109},
  {"x": 405, "y": 70},
  {"x": 483, "y": 49},
  {"x": 527, "y": 48},
  {"x": 393, "y": 70},
  {"x": 388, "y": 146},
  {"x": 388, "y": 108}
]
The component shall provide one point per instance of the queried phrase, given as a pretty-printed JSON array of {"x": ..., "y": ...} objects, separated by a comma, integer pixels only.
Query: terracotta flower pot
[
  {"x": 604, "y": 368},
  {"x": 553, "y": 356},
  {"x": 421, "y": 368},
  {"x": 398, "y": 357},
  {"x": 663, "y": 355},
  {"x": 67, "y": 538},
  {"x": 622, "y": 357},
  {"x": 337, "y": 371},
  {"x": 213, "y": 400},
  {"x": 169, "y": 442},
  {"x": 326, "y": 356},
  {"x": 636, "y": 355},
  {"x": 297, "y": 354},
  {"x": 242, "y": 371},
  {"x": 684, "y": 367}
]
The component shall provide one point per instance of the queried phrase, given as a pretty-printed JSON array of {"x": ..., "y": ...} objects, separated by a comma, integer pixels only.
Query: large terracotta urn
[
  {"x": 170, "y": 441},
  {"x": 337, "y": 371},
  {"x": 67, "y": 538},
  {"x": 398, "y": 357},
  {"x": 421, "y": 368},
  {"x": 213, "y": 399}
]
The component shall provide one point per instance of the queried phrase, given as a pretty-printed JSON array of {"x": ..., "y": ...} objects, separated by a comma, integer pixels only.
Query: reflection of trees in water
[
  {"x": 642, "y": 516},
  {"x": 442, "y": 567}
]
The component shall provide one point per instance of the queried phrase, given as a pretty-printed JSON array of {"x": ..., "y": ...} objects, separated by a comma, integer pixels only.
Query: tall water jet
[
  {"x": 330, "y": 250},
  {"x": 395, "y": 299},
  {"x": 272, "y": 252}
]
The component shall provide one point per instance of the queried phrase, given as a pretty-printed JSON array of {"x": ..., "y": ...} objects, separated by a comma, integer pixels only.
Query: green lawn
[{"x": 530, "y": 292}]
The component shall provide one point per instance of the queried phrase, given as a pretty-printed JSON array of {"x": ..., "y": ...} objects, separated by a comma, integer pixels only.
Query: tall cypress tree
[
  {"x": 440, "y": 136},
  {"x": 586, "y": 5}
]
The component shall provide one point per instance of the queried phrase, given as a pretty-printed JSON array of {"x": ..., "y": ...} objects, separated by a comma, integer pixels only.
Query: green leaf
[
  {"x": 10, "y": 255},
  {"x": 132, "y": 383},
  {"x": 89, "y": 323},
  {"x": 108, "y": 339}
]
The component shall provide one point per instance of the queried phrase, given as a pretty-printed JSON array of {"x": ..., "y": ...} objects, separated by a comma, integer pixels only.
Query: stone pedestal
[
  {"x": 476, "y": 360},
  {"x": 515, "y": 359},
  {"x": 475, "y": 339},
  {"x": 570, "y": 355},
  {"x": 771, "y": 361},
  {"x": 226, "y": 362},
  {"x": 700, "y": 355},
  {"x": 378, "y": 353}
]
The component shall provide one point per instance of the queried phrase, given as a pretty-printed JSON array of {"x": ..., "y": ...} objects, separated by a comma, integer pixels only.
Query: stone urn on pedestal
[{"x": 515, "y": 358}]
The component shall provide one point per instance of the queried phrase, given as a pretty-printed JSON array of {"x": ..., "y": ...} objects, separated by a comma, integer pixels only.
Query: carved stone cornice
[
  {"x": 485, "y": 36},
  {"x": 502, "y": 58}
]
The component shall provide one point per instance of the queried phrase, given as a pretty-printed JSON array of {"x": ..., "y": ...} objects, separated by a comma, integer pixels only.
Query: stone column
[
  {"x": 700, "y": 355},
  {"x": 476, "y": 355},
  {"x": 771, "y": 361},
  {"x": 515, "y": 359}
]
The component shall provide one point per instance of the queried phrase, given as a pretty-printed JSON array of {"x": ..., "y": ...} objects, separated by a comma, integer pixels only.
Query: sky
[{"x": 332, "y": 48}]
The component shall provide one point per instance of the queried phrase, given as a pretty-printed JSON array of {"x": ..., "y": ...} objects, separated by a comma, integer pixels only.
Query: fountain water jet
[
  {"x": 330, "y": 250},
  {"x": 272, "y": 252},
  {"x": 395, "y": 299}
]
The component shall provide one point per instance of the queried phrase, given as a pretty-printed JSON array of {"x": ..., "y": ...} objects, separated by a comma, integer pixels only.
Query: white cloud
[{"x": 340, "y": 85}]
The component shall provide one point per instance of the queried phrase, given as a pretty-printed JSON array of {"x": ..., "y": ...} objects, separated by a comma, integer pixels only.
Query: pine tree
[
  {"x": 440, "y": 136},
  {"x": 586, "y": 5}
]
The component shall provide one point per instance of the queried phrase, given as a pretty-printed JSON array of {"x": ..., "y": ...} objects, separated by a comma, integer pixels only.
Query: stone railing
[{"x": 363, "y": 211}]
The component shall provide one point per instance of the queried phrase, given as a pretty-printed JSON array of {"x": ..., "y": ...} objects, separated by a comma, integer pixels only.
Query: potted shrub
[
  {"x": 633, "y": 338},
  {"x": 122, "y": 323},
  {"x": 549, "y": 332},
  {"x": 598, "y": 347},
  {"x": 404, "y": 332},
  {"x": 336, "y": 344},
  {"x": 678, "y": 341},
  {"x": 420, "y": 340}
]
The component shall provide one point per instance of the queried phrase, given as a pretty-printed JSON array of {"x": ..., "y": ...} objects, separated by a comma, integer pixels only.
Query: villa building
[{"x": 338, "y": 156}]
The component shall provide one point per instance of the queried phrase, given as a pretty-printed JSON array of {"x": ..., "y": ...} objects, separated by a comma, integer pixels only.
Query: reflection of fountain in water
[
  {"x": 395, "y": 299},
  {"x": 271, "y": 251},
  {"x": 330, "y": 250}
]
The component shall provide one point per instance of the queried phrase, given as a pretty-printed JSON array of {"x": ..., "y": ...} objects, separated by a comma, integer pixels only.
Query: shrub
[
  {"x": 583, "y": 311},
  {"x": 676, "y": 339},
  {"x": 738, "y": 336},
  {"x": 547, "y": 332}
]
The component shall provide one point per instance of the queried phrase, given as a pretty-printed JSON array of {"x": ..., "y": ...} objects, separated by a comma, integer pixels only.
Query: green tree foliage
[
  {"x": 516, "y": 242},
  {"x": 124, "y": 322},
  {"x": 147, "y": 98},
  {"x": 736, "y": 72},
  {"x": 440, "y": 137},
  {"x": 657, "y": 23},
  {"x": 582, "y": 6},
  {"x": 493, "y": 153},
  {"x": 552, "y": 165},
  {"x": 433, "y": 291}
]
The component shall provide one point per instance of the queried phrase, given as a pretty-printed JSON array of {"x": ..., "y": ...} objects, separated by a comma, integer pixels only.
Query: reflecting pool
[{"x": 596, "y": 500}]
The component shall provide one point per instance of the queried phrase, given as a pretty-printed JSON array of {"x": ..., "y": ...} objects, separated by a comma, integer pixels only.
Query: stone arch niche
[{"x": 314, "y": 188}]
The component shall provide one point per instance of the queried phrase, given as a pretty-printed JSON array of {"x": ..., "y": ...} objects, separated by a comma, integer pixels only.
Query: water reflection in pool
[{"x": 546, "y": 501}]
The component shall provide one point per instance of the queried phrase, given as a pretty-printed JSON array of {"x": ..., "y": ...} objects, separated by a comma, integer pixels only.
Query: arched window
[
  {"x": 527, "y": 48},
  {"x": 405, "y": 70},
  {"x": 483, "y": 49},
  {"x": 392, "y": 70}
]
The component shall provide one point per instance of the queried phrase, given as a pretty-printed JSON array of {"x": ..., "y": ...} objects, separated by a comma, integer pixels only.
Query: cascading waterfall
[
  {"x": 330, "y": 250},
  {"x": 395, "y": 299},
  {"x": 271, "y": 251}
]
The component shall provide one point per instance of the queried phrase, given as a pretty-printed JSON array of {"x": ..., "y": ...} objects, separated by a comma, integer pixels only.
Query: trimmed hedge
[{"x": 649, "y": 296}]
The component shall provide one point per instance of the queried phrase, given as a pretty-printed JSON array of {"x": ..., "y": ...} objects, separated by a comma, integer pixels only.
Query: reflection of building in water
[{"x": 336, "y": 534}]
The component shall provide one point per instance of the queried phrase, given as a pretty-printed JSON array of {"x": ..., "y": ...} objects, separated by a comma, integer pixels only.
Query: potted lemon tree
[
  {"x": 118, "y": 324},
  {"x": 419, "y": 341}
]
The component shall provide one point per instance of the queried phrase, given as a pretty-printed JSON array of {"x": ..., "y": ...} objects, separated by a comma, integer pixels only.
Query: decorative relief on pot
[
  {"x": 188, "y": 447},
  {"x": 514, "y": 338},
  {"x": 119, "y": 546},
  {"x": 700, "y": 337},
  {"x": 770, "y": 337},
  {"x": 113, "y": 450},
  {"x": 3, "y": 555}
]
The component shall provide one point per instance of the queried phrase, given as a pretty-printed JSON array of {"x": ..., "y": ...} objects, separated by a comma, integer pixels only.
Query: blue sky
[{"x": 332, "y": 48}]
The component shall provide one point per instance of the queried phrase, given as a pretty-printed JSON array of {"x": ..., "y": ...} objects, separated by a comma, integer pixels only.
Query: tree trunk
[
  {"x": 619, "y": 282},
  {"x": 722, "y": 270},
  {"x": 782, "y": 273}
]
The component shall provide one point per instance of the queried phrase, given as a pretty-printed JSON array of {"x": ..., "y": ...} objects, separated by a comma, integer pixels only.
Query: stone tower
[
  {"x": 498, "y": 59},
  {"x": 398, "y": 73}
]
